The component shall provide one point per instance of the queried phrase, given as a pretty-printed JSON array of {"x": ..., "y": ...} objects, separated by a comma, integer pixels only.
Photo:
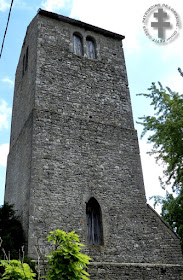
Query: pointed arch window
[
  {"x": 94, "y": 222},
  {"x": 78, "y": 44},
  {"x": 90, "y": 48}
]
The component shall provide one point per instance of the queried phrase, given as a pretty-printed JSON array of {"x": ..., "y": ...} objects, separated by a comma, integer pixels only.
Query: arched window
[
  {"x": 94, "y": 222},
  {"x": 78, "y": 45},
  {"x": 90, "y": 48}
]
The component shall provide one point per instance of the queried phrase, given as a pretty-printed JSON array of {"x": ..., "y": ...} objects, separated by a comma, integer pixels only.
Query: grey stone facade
[{"x": 73, "y": 138}]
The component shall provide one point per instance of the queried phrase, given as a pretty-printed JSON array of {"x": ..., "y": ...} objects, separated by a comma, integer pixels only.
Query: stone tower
[{"x": 74, "y": 160}]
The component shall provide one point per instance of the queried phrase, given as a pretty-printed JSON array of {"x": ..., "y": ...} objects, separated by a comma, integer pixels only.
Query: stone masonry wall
[
  {"x": 18, "y": 175},
  {"x": 24, "y": 92},
  {"x": 135, "y": 271},
  {"x": 85, "y": 145}
]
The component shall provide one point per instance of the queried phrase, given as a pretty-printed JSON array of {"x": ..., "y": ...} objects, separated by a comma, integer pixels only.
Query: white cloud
[
  {"x": 174, "y": 81},
  {"x": 5, "y": 113},
  {"x": 19, "y": 4},
  {"x": 23, "y": 5},
  {"x": 4, "y": 150},
  {"x": 4, "y": 5},
  {"x": 173, "y": 48},
  {"x": 126, "y": 20},
  {"x": 54, "y": 5},
  {"x": 151, "y": 173},
  {"x": 8, "y": 80},
  {"x": 112, "y": 15}
]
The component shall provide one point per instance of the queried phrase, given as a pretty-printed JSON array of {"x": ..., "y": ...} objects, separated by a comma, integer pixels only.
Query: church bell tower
[{"x": 74, "y": 160}]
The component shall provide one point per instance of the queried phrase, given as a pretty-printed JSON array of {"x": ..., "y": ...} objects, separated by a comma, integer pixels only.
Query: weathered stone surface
[
  {"x": 124, "y": 271},
  {"x": 73, "y": 138}
]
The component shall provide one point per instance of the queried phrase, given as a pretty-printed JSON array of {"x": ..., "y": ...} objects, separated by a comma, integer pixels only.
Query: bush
[
  {"x": 11, "y": 231},
  {"x": 15, "y": 270},
  {"x": 66, "y": 261}
]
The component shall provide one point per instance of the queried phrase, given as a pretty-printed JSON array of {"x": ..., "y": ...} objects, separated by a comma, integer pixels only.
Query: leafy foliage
[
  {"x": 167, "y": 128},
  {"x": 172, "y": 212},
  {"x": 66, "y": 261},
  {"x": 11, "y": 231},
  {"x": 15, "y": 270}
]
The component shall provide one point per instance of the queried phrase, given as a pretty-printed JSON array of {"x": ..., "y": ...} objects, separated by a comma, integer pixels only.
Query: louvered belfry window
[
  {"x": 90, "y": 48},
  {"x": 78, "y": 46},
  {"x": 94, "y": 222}
]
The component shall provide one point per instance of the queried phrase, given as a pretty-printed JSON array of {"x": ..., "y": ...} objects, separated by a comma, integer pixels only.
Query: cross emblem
[{"x": 161, "y": 24}]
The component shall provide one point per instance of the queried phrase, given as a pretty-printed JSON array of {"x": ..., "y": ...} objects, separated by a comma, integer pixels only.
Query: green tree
[
  {"x": 172, "y": 212},
  {"x": 66, "y": 261},
  {"x": 165, "y": 132},
  {"x": 11, "y": 232},
  {"x": 166, "y": 126}
]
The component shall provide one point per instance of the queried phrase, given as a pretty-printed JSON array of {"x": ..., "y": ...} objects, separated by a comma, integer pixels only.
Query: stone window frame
[
  {"x": 94, "y": 223},
  {"x": 80, "y": 37},
  {"x": 94, "y": 54},
  {"x": 84, "y": 38}
]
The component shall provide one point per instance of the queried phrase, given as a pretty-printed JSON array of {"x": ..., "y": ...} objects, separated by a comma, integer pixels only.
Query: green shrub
[
  {"x": 66, "y": 261},
  {"x": 15, "y": 270}
]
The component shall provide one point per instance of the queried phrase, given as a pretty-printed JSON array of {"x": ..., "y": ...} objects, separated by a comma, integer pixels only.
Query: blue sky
[{"x": 146, "y": 61}]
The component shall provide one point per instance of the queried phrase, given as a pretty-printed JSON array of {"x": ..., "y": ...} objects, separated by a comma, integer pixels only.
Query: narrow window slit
[
  {"x": 26, "y": 58},
  {"x": 78, "y": 44},
  {"x": 90, "y": 48},
  {"x": 25, "y": 62},
  {"x": 23, "y": 66}
]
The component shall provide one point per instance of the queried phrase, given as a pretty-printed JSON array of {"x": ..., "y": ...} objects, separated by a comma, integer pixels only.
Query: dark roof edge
[{"x": 80, "y": 24}]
